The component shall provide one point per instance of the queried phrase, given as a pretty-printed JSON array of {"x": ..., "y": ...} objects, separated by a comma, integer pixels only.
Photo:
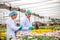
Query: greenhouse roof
[{"x": 49, "y": 8}]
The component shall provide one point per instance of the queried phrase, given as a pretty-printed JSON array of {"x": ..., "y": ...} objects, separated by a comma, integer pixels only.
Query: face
[
  {"x": 28, "y": 15},
  {"x": 14, "y": 16}
]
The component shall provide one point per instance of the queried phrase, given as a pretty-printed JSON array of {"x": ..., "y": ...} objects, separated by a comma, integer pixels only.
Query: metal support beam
[{"x": 3, "y": 6}]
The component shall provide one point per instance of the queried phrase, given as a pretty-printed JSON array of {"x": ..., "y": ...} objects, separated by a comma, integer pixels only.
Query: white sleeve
[
  {"x": 22, "y": 22},
  {"x": 12, "y": 26}
]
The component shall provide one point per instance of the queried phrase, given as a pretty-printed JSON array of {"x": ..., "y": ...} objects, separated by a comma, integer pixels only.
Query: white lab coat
[
  {"x": 11, "y": 28},
  {"x": 26, "y": 24}
]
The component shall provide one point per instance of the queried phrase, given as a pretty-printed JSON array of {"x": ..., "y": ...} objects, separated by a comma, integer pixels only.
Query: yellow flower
[
  {"x": 2, "y": 38},
  {"x": 3, "y": 34},
  {"x": 18, "y": 33},
  {"x": 40, "y": 31}
]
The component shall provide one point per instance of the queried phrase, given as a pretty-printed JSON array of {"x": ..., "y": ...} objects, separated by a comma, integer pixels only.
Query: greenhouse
[{"x": 44, "y": 14}]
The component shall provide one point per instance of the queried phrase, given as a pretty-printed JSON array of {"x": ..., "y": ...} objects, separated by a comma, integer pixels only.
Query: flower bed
[{"x": 43, "y": 33}]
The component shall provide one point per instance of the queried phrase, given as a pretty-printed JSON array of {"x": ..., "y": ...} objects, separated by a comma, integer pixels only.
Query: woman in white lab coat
[
  {"x": 26, "y": 22},
  {"x": 11, "y": 26}
]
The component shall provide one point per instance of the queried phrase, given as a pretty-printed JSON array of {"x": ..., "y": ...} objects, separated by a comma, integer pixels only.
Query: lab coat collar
[
  {"x": 28, "y": 19},
  {"x": 11, "y": 19}
]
